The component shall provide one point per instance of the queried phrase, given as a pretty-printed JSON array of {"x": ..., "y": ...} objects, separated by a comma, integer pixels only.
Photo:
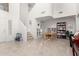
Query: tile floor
[{"x": 41, "y": 47}]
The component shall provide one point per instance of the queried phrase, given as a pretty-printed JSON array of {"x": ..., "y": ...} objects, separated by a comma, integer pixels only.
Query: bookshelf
[{"x": 61, "y": 30}]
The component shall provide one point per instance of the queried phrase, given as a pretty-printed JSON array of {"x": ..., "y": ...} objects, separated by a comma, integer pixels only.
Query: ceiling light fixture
[
  {"x": 43, "y": 12},
  {"x": 60, "y": 12}
]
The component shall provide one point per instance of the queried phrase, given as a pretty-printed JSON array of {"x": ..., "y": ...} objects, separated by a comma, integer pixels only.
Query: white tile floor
[{"x": 55, "y": 47}]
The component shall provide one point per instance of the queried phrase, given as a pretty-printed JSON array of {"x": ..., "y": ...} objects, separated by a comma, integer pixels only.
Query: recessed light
[
  {"x": 43, "y": 12},
  {"x": 60, "y": 12}
]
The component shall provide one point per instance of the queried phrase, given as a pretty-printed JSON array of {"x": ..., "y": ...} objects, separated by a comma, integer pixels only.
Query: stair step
[{"x": 29, "y": 36}]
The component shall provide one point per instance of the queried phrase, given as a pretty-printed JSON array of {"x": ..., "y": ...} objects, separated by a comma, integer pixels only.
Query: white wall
[
  {"x": 24, "y": 13},
  {"x": 77, "y": 7},
  {"x": 3, "y": 25},
  {"x": 14, "y": 16},
  {"x": 52, "y": 22},
  {"x": 77, "y": 18},
  {"x": 24, "y": 18},
  {"x": 77, "y": 23},
  {"x": 17, "y": 25}
]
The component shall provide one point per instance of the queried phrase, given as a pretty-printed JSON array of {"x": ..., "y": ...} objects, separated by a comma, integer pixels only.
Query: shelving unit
[{"x": 61, "y": 30}]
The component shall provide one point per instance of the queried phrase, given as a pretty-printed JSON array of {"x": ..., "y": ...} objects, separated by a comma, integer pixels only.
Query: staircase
[
  {"x": 29, "y": 36},
  {"x": 24, "y": 16}
]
